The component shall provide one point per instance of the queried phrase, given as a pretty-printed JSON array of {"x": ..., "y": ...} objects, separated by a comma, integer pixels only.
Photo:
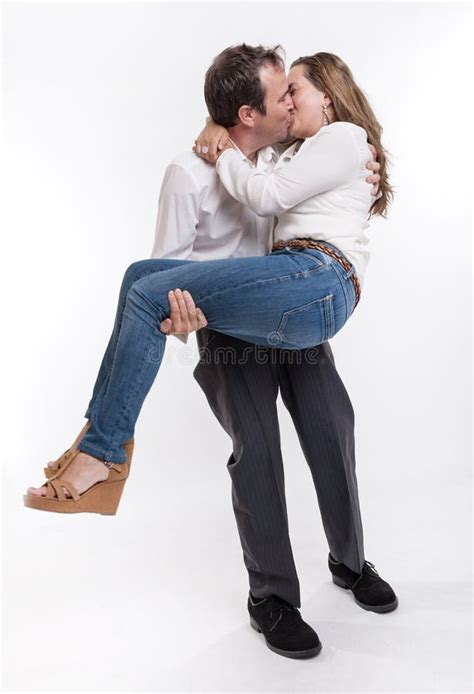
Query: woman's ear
[{"x": 245, "y": 115}]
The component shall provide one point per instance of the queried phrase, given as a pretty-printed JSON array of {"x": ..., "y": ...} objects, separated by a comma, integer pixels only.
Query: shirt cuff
[{"x": 225, "y": 154}]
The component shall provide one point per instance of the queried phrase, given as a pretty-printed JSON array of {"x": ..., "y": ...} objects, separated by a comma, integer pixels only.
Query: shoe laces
[
  {"x": 371, "y": 567},
  {"x": 281, "y": 607}
]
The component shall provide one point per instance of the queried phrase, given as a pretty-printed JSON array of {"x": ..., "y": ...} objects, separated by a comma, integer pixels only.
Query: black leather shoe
[
  {"x": 282, "y": 626},
  {"x": 370, "y": 590}
]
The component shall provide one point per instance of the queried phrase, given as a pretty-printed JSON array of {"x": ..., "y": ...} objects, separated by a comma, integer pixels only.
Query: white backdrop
[{"x": 97, "y": 98}]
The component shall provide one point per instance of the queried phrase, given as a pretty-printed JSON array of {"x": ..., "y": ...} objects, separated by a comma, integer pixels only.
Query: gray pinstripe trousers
[{"x": 241, "y": 383}]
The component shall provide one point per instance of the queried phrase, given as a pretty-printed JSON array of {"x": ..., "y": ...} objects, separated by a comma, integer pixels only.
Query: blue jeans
[{"x": 289, "y": 299}]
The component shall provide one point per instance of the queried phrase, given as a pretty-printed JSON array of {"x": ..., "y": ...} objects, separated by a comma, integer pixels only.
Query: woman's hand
[
  {"x": 212, "y": 141},
  {"x": 373, "y": 166}
]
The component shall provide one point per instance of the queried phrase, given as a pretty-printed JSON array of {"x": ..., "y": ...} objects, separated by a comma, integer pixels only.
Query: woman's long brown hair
[{"x": 330, "y": 75}]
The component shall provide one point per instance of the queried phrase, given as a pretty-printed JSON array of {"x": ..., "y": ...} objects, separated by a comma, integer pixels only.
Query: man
[{"x": 246, "y": 91}]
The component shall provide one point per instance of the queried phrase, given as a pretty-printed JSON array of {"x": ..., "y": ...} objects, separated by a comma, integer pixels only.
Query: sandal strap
[
  {"x": 71, "y": 489},
  {"x": 57, "y": 486},
  {"x": 63, "y": 455},
  {"x": 67, "y": 462},
  {"x": 116, "y": 470},
  {"x": 59, "y": 463},
  {"x": 56, "y": 490},
  {"x": 50, "y": 490}
]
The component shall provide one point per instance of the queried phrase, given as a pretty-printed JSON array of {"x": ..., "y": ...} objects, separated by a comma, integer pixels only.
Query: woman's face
[{"x": 308, "y": 102}]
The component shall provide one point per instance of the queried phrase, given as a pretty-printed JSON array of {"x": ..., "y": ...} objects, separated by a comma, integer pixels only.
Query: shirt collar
[
  {"x": 289, "y": 152},
  {"x": 265, "y": 156}
]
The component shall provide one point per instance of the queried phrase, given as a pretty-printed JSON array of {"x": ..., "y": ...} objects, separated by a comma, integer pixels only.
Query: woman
[{"x": 299, "y": 295}]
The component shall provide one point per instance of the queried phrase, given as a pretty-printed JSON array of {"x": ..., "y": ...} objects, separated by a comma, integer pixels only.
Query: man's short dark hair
[{"x": 233, "y": 80}]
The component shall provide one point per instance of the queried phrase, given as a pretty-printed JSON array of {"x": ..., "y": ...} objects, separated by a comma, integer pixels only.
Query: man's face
[{"x": 273, "y": 127}]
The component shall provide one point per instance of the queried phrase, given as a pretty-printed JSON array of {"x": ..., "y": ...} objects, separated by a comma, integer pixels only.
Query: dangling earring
[{"x": 325, "y": 116}]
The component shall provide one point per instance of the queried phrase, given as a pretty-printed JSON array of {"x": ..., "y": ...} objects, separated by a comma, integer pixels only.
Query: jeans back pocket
[{"x": 309, "y": 324}]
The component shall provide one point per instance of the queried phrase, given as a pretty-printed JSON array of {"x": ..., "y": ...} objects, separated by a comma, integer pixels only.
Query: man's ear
[{"x": 246, "y": 116}]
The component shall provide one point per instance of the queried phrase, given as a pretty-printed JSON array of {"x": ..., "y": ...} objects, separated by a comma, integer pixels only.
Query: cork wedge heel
[{"x": 103, "y": 497}]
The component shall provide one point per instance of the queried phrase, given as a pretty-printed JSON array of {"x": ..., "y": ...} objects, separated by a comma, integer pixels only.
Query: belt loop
[{"x": 349, "y": 272}]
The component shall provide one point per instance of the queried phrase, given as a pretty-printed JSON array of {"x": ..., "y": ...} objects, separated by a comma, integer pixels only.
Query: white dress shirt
[
  {"x": 198, "y": 219},
  {"x": 318, "y": 192}
]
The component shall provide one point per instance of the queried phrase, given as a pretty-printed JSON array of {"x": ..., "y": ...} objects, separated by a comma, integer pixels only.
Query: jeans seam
[
  {"x": 327, "y": 307},
  {"x": 125, "y": 411},
  {"x": 122, "y": 308},
  {"x": 344, "y": 289}
]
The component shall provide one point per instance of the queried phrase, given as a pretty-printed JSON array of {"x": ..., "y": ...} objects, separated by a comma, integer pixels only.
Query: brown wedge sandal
[
  {"x": 51, "y": 470},
  {"x": 102, "y": 497}
]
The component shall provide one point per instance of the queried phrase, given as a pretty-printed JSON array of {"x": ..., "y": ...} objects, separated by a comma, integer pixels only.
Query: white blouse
[{"x": 317, "y": 192}]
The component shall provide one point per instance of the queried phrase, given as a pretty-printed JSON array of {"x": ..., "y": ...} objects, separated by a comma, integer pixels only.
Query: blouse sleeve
[{"x": 329, "y": 160}]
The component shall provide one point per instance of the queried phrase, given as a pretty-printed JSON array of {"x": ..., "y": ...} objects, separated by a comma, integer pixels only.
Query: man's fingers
[
  {"x": 202, "y": 320},
  {"x": 165, "y": 325},
  {"x": 191, "y": 309},
  {"x": 175, "y": 314},
  {"x": 183, "y": 313},
  {"x": 185, "y": 317},
  {"x": 194, "y": 322}
]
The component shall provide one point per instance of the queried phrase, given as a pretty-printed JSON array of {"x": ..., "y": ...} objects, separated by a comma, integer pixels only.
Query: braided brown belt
[{"x": 311, "y": 243}]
